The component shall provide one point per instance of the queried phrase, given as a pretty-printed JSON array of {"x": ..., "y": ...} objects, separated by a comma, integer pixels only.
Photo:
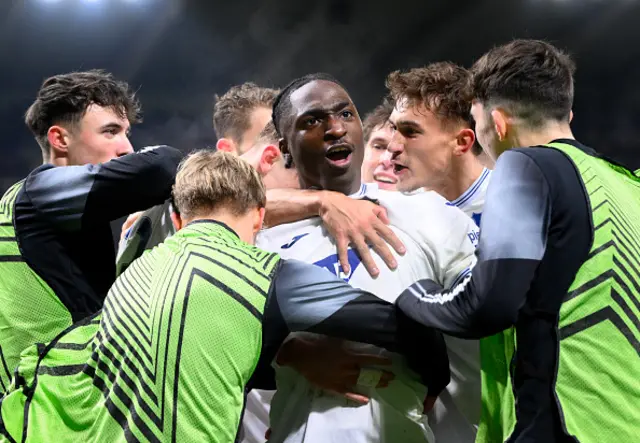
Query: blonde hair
[{"x": 208, "y": 181}]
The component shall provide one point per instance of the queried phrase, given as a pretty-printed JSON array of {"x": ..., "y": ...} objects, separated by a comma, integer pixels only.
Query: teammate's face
[
  {"x": 377, "y": 167},
  {"x": 421, "y": 147},
  {"x": 100, "y": 136},
  {"x": 324, "y": 137},
  {"x": 259, "y": 119}
]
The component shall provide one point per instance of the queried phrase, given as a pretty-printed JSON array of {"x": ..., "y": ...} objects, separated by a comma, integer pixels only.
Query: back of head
[
  {"x": 208, "y": 181},
  {"x": 268, "y": 135},
  {"x": 531, "y": 78},
  {"x": 232, "y": 111},
  {"x": 442, "y": 88},
  {"x": 377, "y": 118},
  {"x": 64, "y": 99},
  {"x": 282, "y": 103}
]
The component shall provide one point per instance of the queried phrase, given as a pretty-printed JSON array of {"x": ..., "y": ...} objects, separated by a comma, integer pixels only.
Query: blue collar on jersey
[{"x": 472, "y": 190}]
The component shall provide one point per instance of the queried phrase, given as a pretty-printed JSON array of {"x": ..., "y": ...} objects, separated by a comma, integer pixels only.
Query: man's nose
[
  {"x": 385, "y": 159},
  {"x": 395, "y": 145},
  {"x": 125, "y": 147},
  {"x": 335, "y": 128}
]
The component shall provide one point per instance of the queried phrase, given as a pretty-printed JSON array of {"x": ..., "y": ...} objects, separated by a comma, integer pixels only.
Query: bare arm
[
  {"x": 291, "y": 205},
  {"x": 359, "y": 223}
]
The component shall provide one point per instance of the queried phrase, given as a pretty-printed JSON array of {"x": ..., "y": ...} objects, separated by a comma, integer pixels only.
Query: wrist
[{"x": 323, "y": 202}]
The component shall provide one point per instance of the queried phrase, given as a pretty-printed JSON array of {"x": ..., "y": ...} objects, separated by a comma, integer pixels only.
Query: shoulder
[
  {"x": 287, "y": 234},
  {"x": 427, "y": 217}
]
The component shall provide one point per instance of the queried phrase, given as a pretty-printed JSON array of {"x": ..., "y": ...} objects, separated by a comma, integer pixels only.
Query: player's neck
[
  {"x": 464, "y": 172},
  {"x": 242, "y": 225},
  {"x": 343, "y": 185},
  {"x": 551, "y": 131}
]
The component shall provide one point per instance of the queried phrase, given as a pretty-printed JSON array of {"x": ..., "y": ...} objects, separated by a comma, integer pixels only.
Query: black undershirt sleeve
[
  {"x": 73, "y": 196},
  {"x": 513, "y": 238},
  {"x": 307, "y": 298}
]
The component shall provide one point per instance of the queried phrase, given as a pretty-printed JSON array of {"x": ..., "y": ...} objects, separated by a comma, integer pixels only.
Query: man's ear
[
  {"x": 464, "y": 141},
  {"x": 226, "y": 145},
  {"x": 258, "y": 222},
  {"x": 58, "y": 138},
  {"x": 176, "y": 220},
  {"x": 270, "y": 155},
  {"x": 570, "y": 116},
  {"x": 500, "y": 123}
]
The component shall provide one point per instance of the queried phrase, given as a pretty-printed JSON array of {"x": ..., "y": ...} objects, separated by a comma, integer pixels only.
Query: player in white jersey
[
  {"x": 153, "y": 227},
  {"x": 436, "y": 245},
  {"x": 323, "y": 135},
  {"x": 434, "y": 146}
]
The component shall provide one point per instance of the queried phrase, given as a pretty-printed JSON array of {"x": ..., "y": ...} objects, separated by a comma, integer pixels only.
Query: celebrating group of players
[{"x": 317, "y": 279}]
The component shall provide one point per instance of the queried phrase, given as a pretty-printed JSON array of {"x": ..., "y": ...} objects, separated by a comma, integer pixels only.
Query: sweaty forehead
[{"x": 318, "y": 95}]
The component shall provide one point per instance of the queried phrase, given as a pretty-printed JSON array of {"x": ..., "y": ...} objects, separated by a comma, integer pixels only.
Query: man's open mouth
[
  {"x": 398, "y": 168},
  {"x": 339, "y": 154}
]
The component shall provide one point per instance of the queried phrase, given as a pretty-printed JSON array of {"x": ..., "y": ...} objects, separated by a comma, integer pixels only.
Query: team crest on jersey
[
  {"x": 293, "y": 241},
  {"x": 332, "y": 265}
]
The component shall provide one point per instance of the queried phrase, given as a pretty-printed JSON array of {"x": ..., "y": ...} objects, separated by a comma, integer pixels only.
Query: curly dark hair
[
  {"x": 441, "y": 87},
  {"x": 532, "y": 78},
  {"x": 232, "y": 110},
  {"x": 64, "y": 99}
]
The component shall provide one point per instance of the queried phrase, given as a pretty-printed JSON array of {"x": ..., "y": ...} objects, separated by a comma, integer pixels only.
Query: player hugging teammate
[{"x": 459, "y": 268}]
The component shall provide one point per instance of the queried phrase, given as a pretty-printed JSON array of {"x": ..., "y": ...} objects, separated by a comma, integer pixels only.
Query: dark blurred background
[{"x": 178, "y": 53}]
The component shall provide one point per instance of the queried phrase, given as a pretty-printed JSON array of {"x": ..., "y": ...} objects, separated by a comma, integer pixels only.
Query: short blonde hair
[{"x": 208, "y": 181}]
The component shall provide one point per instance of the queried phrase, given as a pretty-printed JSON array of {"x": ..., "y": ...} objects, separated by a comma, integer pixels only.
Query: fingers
[
  {"x": 390, "y": 237},
  {"x": 364, "y": 252},
  {"x": 267, "y": 434},
  {"x": 381, "y": 213},
  {"x": 358, "y": 398},
  {"x": 342, "y": 244},
  {"x": 382, "y": 249}
]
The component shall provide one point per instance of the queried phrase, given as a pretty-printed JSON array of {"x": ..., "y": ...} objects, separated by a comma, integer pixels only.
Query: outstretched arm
[
  {"x": 513, "y": 240},
  {"x": 309, "y": 298},
  {"x": 74, "y": 196}
]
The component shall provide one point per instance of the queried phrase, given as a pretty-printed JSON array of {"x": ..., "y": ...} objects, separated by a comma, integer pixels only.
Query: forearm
[
  {"x": 483, "y": 305},
  {"x": 291, "y": 205}
]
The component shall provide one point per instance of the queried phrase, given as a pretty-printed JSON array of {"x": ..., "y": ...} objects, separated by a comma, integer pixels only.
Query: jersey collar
[
  {"x": 471, "y": 190},
  {"x": 210, "y": 227}
]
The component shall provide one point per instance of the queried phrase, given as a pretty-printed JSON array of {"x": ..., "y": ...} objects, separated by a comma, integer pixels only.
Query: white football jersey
[
  {"x": 456, "y": 414},
  {"x": 471, "y": 202},
  {"x": 440, "y": 244}
]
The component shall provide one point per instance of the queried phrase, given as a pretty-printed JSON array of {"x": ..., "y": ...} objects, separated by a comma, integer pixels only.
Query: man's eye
[
  {"x": 311, "y": 121},
  {"x": 347, "y": 114},
  {"x": 380, "y": 147}
]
